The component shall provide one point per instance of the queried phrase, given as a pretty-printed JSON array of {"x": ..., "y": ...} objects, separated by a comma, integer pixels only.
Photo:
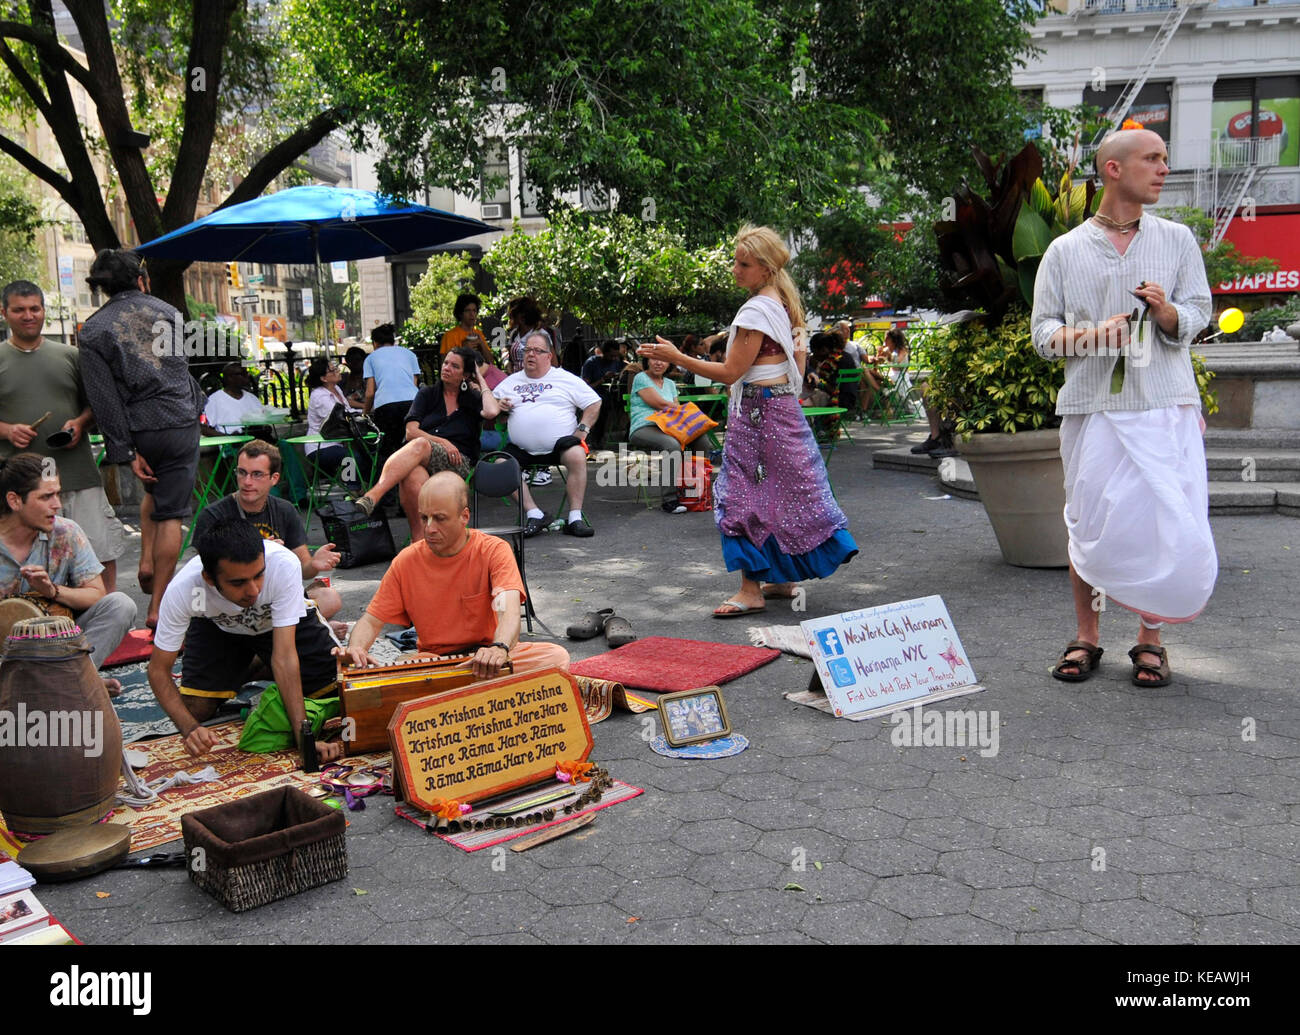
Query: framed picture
[
  {"x": 691, "y": 716},
  {"x": 18, "y": 912}
]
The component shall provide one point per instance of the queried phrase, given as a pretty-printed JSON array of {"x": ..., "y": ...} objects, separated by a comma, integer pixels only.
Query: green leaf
[
  {"x": 1028, "y": 273},
  {"x": 1031, "y": 236},
  {"x": 793, "y": 887},
  {"x": 1041, "y": 199}
]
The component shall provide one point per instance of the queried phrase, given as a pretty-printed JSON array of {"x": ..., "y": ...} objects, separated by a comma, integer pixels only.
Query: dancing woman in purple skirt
[{"x": 779, "y": 521}]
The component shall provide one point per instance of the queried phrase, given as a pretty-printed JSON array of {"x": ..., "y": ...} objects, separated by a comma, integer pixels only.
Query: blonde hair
[{"x": 764, "y": 246}]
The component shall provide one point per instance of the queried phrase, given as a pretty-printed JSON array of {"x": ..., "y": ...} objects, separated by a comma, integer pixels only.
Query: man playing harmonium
[
  {"x": 459, "y": 587},
  {"x": 240, "y": 597}
]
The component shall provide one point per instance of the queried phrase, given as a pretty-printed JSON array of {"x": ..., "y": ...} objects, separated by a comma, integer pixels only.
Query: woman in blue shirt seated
[{"x": 653, "y": 390}]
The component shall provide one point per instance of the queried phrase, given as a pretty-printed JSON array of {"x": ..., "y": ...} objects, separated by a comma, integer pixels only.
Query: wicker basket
[{"x": 264, "y": 847}]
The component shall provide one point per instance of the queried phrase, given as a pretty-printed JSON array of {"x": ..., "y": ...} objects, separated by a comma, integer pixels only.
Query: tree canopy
[{"x": 702, "y": 112}]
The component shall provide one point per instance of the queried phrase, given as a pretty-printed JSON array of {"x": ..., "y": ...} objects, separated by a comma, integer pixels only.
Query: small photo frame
[
  {"x": 19, "y": 911},
  {"x": 692, "y": 716}
]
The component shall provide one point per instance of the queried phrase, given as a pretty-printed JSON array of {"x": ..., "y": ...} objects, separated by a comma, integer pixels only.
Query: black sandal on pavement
[
  {"x": 1162, "y": 672},
  {"x": 1086, "y": 666}
]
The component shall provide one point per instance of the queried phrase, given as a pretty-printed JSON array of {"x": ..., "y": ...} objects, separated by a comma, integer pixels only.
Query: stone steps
[
  {"x": 1275, "y": 489},
  {"x": 1253, "y": 465}
]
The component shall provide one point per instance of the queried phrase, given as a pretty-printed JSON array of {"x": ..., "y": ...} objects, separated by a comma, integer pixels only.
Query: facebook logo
[{"x": 830, "y": 642}]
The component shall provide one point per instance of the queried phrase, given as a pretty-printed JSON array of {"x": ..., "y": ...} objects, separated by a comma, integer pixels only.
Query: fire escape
[{"x": 1234, "y": 165}]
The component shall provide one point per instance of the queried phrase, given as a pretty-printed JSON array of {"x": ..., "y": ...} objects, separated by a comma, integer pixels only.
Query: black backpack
[{"x": 360, "y": 538}]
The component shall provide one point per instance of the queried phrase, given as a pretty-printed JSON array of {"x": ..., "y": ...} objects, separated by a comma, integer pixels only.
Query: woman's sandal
[
  {"x": 1086, "y": 666},
  {"x": 592, "y": 625},
  {"x": 1162, "y": 672}
]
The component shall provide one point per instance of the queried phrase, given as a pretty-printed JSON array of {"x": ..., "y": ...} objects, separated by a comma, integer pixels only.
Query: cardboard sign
[
  {"x": 881, "y": 657},
  {"x": 488, "y": 738}
]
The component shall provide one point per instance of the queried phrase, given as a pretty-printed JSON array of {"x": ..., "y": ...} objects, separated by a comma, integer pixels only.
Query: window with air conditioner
[{"x": 495, "y": 185}]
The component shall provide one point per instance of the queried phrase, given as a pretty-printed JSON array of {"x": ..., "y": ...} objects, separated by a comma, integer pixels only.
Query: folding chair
[{"x": 497, "y": 475}]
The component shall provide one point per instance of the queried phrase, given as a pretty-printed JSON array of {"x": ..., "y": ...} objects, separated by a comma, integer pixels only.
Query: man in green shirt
[{"x": 40, "y": 376}]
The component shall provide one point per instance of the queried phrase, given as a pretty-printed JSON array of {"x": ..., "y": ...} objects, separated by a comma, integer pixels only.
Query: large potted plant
[{"x": 985, "y": 375}]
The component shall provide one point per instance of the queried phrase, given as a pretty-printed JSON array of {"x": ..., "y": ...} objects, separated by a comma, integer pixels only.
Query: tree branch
[
  {"x": 209, "y": 31},
  {"x": 25, "y": 82},
  {"x": 53, "y": 52},
  {"x": 38, "y": 169},
  {"x": 280, "y": 157},
  {"x": 114, "y": 119}
]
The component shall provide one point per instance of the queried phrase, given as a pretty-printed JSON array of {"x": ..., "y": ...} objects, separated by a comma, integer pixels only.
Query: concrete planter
[{"x": 1021, "y": 481}]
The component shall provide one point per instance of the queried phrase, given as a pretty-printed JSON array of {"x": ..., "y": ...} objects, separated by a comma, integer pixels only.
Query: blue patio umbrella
[{"x": 312, "y": 224}]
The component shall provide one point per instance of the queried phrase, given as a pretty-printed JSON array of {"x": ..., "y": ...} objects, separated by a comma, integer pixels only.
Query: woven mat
[
  {"x": 241, "y": 773},
  {"x": 475, "y": 840},
  {"x": 666, "y": 664}
]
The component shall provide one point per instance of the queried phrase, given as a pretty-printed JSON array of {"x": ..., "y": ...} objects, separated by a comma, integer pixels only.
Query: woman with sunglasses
[
  {"x": 323, "y": 379},
  {"x": 442, "y": 434}
]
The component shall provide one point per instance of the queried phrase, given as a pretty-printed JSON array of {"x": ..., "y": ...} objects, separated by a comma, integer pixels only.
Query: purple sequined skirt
[{"x": 772, "y": 501}]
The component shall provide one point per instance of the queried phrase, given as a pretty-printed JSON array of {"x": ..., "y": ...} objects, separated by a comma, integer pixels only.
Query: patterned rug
[
  {"x": 241, "y": 774},
  {"x": 138, "y": 709},
  {"x": 666, "y": 664}
]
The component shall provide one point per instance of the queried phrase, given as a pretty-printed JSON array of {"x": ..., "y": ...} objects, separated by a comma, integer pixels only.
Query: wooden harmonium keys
[{"x": 369, "y": 696}]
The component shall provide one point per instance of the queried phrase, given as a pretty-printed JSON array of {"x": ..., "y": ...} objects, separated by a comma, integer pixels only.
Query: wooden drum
[
  {"x": 27, "y": 605},
  {"x": 60, "y": 740}
]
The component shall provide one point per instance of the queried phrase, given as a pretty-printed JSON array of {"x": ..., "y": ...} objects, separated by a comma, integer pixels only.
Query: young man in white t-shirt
[
  {"x": 240, "y": 597},
  {"x": 544, "y": 429},
  {"x": 228, "y": 408}
]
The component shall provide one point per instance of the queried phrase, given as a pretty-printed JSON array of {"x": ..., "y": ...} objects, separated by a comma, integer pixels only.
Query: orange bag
[{"x": 685, "y": 422}]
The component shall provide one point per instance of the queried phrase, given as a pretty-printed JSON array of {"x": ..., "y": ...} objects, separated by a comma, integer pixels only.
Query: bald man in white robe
[{"x": 1136, "y": 486}]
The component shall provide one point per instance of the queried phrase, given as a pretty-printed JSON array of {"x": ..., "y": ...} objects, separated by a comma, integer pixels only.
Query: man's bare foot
[
  {"x": 780, "y": 590},
  {"x": 145, "y": 578},
  {"x": 113, "y": 686}
]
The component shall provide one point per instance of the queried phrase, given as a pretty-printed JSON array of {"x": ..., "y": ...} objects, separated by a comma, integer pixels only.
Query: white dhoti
[{"x": 1137, "y": 509}]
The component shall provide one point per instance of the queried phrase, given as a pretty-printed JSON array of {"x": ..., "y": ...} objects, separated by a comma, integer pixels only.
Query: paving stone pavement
[{"x": 1109, "y": 814}]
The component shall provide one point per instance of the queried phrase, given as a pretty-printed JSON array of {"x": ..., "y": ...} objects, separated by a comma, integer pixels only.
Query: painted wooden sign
[{"x": 487, "y": 739}]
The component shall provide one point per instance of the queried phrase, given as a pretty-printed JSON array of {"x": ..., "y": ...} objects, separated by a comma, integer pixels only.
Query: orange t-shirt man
[{"x": 448, "y": 599}]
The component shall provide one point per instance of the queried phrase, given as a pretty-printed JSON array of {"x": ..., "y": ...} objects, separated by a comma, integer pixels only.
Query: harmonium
[{"x": 370, "y": 696}]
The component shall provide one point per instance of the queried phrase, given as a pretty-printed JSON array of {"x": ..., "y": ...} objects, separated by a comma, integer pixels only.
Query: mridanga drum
[
  {"x": 27, "y": 605},
  {"x": 60, "y": 739}
]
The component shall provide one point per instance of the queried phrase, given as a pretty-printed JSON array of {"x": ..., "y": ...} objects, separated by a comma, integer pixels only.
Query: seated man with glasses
[
  {"x": 543, "y": 403},
  {"x": 276, "y": 519}
]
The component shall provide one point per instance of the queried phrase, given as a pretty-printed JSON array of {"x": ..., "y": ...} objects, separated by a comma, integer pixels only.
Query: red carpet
[
  {"x": 136, "y": 645},
  {"x": 665, "y": 664}
]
